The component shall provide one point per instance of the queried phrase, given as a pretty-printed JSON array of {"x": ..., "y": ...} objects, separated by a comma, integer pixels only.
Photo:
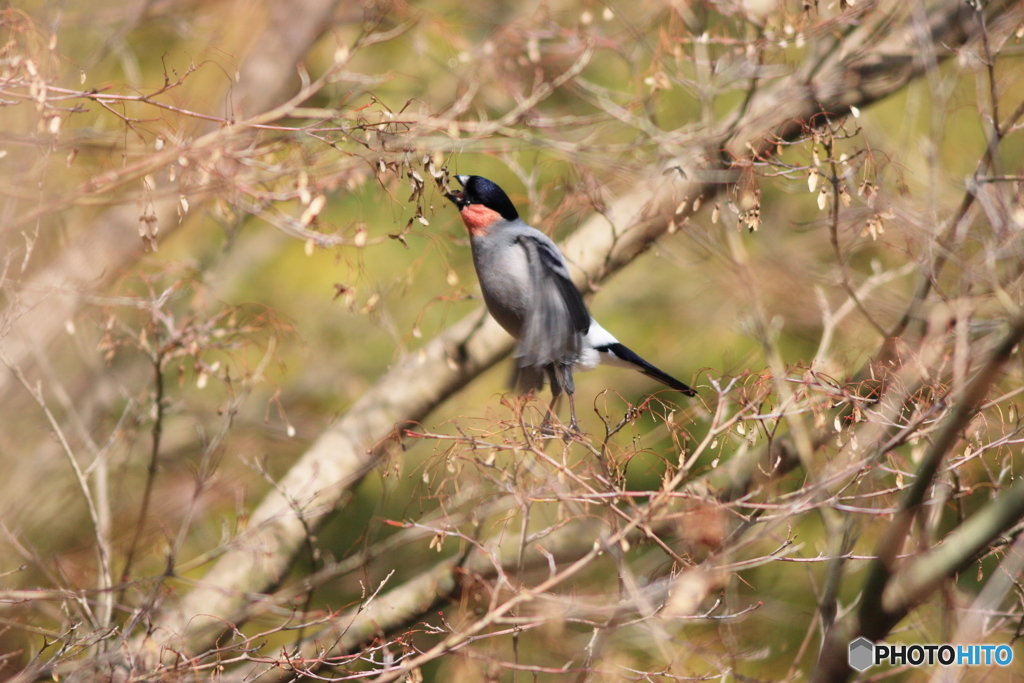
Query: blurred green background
[{"x": 329, "y": 320}]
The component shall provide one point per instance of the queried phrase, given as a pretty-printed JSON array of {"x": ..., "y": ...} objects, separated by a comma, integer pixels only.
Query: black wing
[{"x": 557, "y": 320}]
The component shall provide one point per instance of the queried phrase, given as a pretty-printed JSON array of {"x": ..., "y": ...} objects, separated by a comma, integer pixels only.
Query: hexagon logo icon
[{"x": 862, "y": 654}]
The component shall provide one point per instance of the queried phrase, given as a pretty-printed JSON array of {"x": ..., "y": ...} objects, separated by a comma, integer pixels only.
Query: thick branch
[
  {"x": 889, "y": 594},
  {"x": 604, "y": 244}
]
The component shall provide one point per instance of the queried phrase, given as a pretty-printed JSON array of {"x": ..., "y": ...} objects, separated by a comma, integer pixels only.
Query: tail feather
[{"x": 626, "y": 354}]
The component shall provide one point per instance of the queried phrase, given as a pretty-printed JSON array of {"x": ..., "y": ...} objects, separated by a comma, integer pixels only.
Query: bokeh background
[{"x": 220, "y": 228}]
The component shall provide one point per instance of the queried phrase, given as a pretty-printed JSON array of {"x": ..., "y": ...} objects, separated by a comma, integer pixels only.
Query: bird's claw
[
  {"x": 548, "y": 429},
  {"x": 570, "y": 433},
  {"x": 573, "y": 432}
]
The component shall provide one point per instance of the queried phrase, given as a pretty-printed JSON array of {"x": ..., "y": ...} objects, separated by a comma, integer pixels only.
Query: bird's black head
[{"x": 485, "y": 193}]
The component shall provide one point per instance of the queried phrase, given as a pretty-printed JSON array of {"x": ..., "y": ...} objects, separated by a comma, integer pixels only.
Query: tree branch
[{"x": 604, "y": 244}]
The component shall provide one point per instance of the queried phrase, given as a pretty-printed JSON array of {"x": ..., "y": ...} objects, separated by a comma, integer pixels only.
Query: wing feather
[{"x": 557, "y": 319}]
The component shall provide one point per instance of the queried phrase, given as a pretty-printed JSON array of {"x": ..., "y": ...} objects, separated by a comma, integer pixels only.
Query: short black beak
[{"x": 457, "y": 198}]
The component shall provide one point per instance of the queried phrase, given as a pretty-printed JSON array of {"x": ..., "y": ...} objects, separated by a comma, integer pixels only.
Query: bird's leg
[
  {"x": 569, "y": 387},
  {"x": 556, "y": 392},
  {"x": 574, "y": 426}
]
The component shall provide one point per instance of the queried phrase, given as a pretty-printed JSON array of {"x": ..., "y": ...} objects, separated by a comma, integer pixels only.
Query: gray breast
[{"x": 504, "y": 275}]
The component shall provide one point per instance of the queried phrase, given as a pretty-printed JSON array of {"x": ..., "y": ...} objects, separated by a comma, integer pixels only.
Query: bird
[{"x": 526, "y": 286}]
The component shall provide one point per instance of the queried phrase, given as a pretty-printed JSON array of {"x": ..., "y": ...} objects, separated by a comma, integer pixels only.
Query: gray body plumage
[{"x": 528, "y": 290}]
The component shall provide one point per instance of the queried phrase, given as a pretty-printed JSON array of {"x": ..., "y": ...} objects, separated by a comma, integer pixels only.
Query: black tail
[{"x": 646, "y": 368}]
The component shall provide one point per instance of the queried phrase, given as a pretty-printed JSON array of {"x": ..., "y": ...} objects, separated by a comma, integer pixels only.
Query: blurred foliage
[{"x": 282, "y": 264}]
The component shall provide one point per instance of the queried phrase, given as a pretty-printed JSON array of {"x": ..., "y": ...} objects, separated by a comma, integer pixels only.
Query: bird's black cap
[{"x": 482, "y": 191}]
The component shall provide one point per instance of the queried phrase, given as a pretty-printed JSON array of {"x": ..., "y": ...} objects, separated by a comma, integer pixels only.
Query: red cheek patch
[{"x": 478, "y": 218}]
